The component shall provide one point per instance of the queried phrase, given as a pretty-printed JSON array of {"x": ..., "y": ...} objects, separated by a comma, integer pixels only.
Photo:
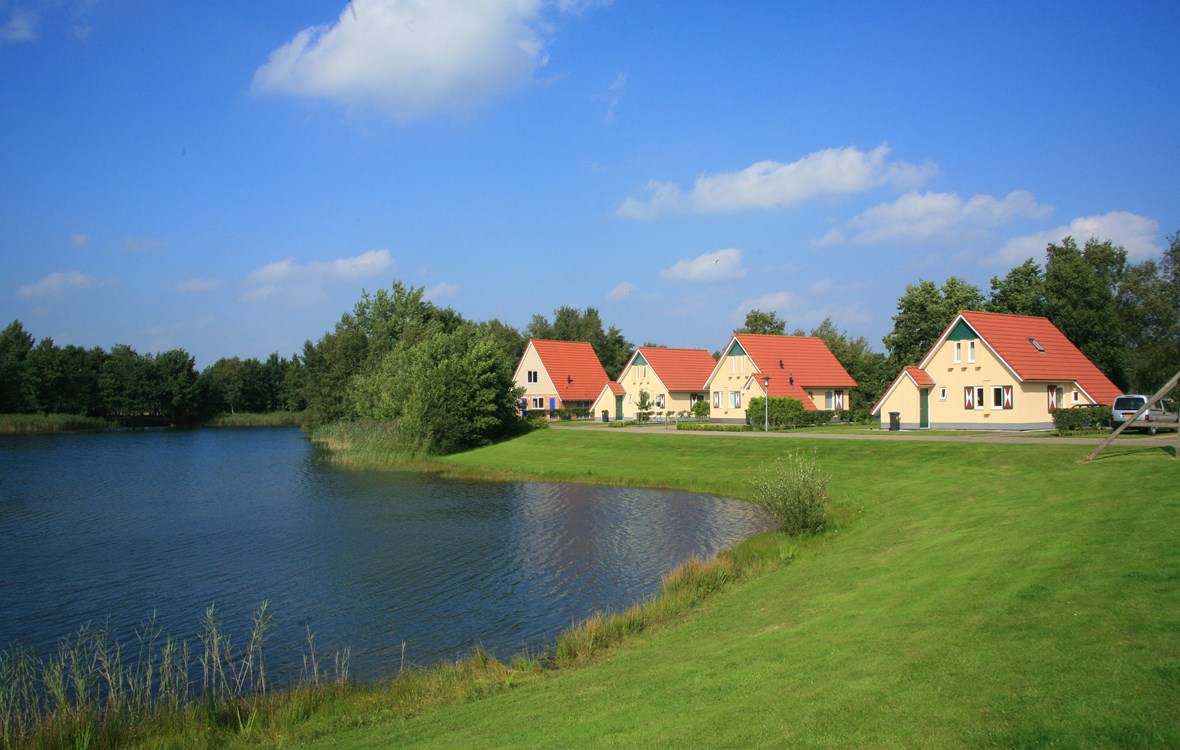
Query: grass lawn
[{"x": 973, "y": 595}]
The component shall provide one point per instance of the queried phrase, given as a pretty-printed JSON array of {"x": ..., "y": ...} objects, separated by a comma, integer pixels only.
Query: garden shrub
[
  {"x": 794, "y": 490},
  {"x": 1075, "y": 420}
]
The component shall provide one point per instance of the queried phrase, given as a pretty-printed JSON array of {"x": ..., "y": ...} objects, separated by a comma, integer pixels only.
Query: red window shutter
[
  {"x": 1052, "y": 397},
  {"x": 969, "y": 397},
  {"x": 1007, "y": 397}
]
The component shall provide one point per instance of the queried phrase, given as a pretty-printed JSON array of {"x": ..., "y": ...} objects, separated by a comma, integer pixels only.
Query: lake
[{"x": 399, "y": 567}]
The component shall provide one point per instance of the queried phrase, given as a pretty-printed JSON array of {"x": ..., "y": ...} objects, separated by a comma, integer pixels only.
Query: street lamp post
[{"x": 766, "y": 404}]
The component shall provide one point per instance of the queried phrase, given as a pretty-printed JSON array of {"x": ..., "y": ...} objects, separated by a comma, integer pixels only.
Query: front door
[
  {"x": 924, "y": 413},
  {"x": 618, "y": 408}
]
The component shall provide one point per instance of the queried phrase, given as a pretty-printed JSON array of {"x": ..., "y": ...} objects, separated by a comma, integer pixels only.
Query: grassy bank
[
  {"x": 30, "y": 423},
  {"x": 979, "y": 596},
  {"x": 257, "y": 419}
]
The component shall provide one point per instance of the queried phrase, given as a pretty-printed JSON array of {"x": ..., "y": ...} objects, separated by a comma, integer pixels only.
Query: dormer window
[{"x": 1036, "y": 344}]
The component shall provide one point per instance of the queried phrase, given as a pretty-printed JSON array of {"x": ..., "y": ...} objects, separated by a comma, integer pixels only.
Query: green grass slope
[{"x": 972, "y": 596}]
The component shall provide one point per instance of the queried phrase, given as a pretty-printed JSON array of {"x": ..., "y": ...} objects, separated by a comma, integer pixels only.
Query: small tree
[
  {"x": 643, "y": 407},
  {"x": 701, "y": 409}
]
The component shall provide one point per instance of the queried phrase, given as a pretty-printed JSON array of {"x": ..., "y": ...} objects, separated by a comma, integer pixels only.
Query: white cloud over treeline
[
  {"x": 1137, "y": 235},
  {"x": 57, "y": 283},
  {"x": 410, "y": 59},
  {"x": 773, "y": 184},
  {"x": 292, "y": 283}
]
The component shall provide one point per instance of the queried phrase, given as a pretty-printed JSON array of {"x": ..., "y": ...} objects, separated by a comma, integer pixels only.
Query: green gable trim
[
  {"x": 962, "y": 332},
  {"x": 639, "y": 360},
  {"x": 736, "y": 350}
]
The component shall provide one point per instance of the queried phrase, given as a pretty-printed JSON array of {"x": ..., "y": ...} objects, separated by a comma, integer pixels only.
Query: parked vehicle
[{"x": 1160, "y": 416}]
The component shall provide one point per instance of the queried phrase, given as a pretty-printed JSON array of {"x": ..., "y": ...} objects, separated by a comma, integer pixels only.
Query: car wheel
[{"x": 1151, "y": 430}]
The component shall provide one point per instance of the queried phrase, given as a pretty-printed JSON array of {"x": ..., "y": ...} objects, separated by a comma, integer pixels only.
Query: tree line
[{"x": 446, "y": 382}]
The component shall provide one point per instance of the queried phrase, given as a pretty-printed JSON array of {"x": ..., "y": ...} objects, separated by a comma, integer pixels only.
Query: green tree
[
  {"x": 1020, "y": 292},
  {"x": 759, "y": 321},
  {"x": 1080, "y": 292},
  {"x": 1149, "y": 311},
  {"x": 123, "y": 383},
  {"x": 173, "y": 384},
  {"x": 643, "y": 407},
  {"x": 868, "y": 368},
  {"x": 923, "y": 312},
  {"x": 571, "y": 324},
  {"x": 16, "y": 391}
]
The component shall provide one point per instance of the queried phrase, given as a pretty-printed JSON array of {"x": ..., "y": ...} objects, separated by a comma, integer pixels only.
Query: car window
[{"x": 1124, "y": 402}]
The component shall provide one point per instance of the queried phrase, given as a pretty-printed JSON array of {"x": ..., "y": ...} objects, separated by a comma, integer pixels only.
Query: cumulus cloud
[
  {"x": 79, "y": 240},
  {"x": 440, "y": 291},
  {"x": 723, "y": 264},
  {"x": 924, "y": 217},
  {"x": 57, "y": 283},
  {"x": 289, "y": 282},
  {"x": 625, "y": 290},
  {"x": 196, "y": 286},
  {"x": 1136, "y": 234},
  {"x": 772, "y": 184},
  {"x": 772, "y": 302},
  {"x": 410, "y": 58},
  {"x": 21, "y": 26}
]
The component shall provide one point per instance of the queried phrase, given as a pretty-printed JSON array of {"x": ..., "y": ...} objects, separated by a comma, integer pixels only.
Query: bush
[
  {"x": 1085, "y": 418},
  {"x": 795, "y": 491},
  {"x": 787, "y": 413}
]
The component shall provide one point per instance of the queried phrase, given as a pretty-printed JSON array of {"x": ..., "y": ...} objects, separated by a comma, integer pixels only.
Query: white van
[{"x": 1159, "y": 417}]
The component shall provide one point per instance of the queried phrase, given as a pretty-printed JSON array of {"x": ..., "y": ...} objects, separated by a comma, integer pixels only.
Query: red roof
[
  {"x": 919, "y": 376},
  {"x": 782, "y": 387},
  {"x": 1012, "y": 337},
  {"x": 805, "y": 358},
  {"x": 574, "y": 368},
  {"x": 679, "y": 369}
]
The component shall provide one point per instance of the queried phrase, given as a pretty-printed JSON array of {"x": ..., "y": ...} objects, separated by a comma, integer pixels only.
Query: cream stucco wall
[
  {"x": 731, "y": 376},
  {"x": 639, "y": 377},
  {"x": 543, "y": 389},
  {"x": 906, "y": 401}
]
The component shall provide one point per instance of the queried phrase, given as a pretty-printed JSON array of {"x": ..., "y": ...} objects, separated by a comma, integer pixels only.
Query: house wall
[
  {"x": 733, "y": 372},
  {"x": 1029, "y": 404},
  {"x": 906, "y": 400},
  {"x": 543, "y": 389}
]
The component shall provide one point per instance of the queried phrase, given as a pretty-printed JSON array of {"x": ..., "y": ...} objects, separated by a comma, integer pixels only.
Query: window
[
  {"x": 973, "y": 397},
  {"x": 1076, "y": 397},
  {"x": 716, "y": 399},
  {"x": 1001, "y": 397},
  {"x": 539, "y": 403},
  {"x": 958, "y": 352},
  {"x": 1056, "y": 397},
  {"x": 942, "y": 394},
  {"x": 660, "y": 401},
  {"x": 532, "y": 376},
  {"x": 1036, "y": 344},
  {"x": 735, "y": 399},
  {"x": 828, "y": 401},
  {"x": 970, "y": 351}
]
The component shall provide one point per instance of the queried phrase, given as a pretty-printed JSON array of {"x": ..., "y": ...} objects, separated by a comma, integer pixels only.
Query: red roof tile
[
  {"x": 782, "y": 387},
  {"x": 1011, "y": 337},
  {"x": 920, "y": 376},
  {"x": 574, "y": 368},
  {"x": 679, "y": 369},
  {"x": 806, "y": 358}
]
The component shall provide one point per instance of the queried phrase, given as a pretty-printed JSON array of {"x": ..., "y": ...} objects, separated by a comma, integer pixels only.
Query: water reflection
[{"x": 125, "y": 524}]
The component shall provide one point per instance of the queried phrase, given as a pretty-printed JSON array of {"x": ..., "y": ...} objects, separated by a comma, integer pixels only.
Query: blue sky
[{"x": 227, "y": 177}]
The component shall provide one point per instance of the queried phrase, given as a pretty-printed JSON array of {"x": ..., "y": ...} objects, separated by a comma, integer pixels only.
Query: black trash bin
[
  {"x": 605, "y": 415},
  {"x": 894, "y": 421}
]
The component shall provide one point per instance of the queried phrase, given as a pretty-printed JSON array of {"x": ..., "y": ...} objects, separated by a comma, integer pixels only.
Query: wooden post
[{"x": 1158, "y": 395}]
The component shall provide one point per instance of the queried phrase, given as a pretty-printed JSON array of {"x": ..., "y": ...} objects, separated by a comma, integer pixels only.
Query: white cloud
[
  {"x": 772, "y": 184},
  {"x": 145, "y": 245},
  {"x": 440, "y": 291},
  {"x": 1136, "y": 234},
  {"x": 924, "y": 217},
  {"x": 625, "y": 290},
  {"x": 614, "y": 96},
  {"x": 57, "y": 283},
  {"x": 410, "y": 58},
  {"x": 292, "y": 283},
  {"x": 79, "y": 240},
  {"x": 21, "y": 26},
  {"x": 723, "y": 264},
  {"x": 772, "y": 302},
  {"x": 199, "y": 285}
]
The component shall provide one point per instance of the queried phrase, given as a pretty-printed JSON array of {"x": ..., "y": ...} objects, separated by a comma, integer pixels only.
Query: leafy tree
[
  {"x": 1149, "y": 311},
  {"x": 571, "y": 324},
  {"x": 123, "y": 383},
  {"x": 758, "y": 321},
  {"x": 643, "y": 407},
  {"x": 923, "y": 312},
  {"x": 1021, "y": 292},
  {"x": 510, "y": 340},
  {"x": 173, "y": 384},
  {"x": 1080, "y": 293},
  {"x": 16, "y": 393}
]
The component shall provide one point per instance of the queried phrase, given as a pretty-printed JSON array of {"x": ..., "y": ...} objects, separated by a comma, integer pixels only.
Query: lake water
[{"x": 396, "y": 566}]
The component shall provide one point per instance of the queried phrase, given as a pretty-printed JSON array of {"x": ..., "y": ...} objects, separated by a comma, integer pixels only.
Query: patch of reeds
[
  {"x": 257, "y": 419},
  {"x": 794, "y": 489},
  {"x": 99, "y": 692},
  {"x": 32, "y": 423}
]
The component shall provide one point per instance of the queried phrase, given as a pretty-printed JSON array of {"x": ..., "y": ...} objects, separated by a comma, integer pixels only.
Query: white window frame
[
  {"x": 971, "y": 352},
  {"x": 538, "y": 402},
  {"x": 997, "y": 395},
  {"x": 532, "y": 376},
  {"x": 718, "y": 397},
  {"x": 659, "y": 401},
  {"x": 829, "y": 400},
  {"x": 735, "y": 399},
  {"x": 958, "y": 352},
  {"x": 980, "y": 392},
  {"x": 942, "y": 394}
]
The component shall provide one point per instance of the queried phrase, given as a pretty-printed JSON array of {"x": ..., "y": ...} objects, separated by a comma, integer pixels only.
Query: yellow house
[
  {"x": 673, "y": 378},
  {"x": 994, "y": 371},
  {"x": 559, "y": 375},
  {"x": 799, "y": 367}
]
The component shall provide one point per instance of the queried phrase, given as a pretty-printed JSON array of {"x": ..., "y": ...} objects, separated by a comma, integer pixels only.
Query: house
[
  {"x": 673, "y": 378},
  {"x": 559, "y": 375},
  {"x": 799, "y": 367},
  {"x": 997, "y": 372}
]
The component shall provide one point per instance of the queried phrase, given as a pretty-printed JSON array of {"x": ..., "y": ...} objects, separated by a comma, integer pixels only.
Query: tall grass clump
[{"x": 794, "y": 489}]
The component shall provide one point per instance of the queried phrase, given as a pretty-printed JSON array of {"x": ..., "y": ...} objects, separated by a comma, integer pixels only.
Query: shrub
[
  {"x": 1087, "y": 418},
  {"x": 795, "y": 491}
]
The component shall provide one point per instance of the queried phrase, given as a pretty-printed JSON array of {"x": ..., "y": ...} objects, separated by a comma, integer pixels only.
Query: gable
[
  {"x": 962, "y": 332},
  {"x": 735, "y": 349},
  {"x": 639, "y": 360}
]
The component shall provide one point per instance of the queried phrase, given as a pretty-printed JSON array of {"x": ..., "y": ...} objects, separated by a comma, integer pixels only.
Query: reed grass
[
  {"x": 258, "y": 419},
  {"x": 34, "y": 423}
]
